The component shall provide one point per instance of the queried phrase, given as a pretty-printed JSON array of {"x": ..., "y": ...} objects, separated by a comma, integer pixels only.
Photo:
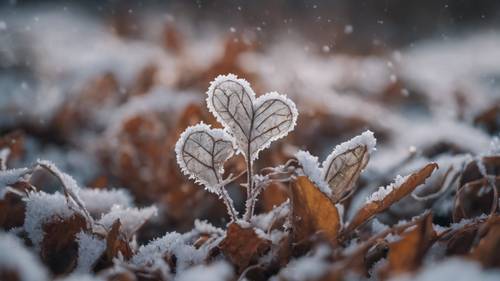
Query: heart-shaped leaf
[
  {"x": 201, "y": 153},
  {"x": 341, "y": 169},
  {"x": 254, "y": 122}
]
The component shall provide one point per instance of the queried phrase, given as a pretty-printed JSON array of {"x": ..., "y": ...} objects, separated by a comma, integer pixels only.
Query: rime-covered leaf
[
  {"x": 201, "y": 153},
  {"x": 254, "y": 122},
  {"x": 341, "y": 169},
  {"x": 384, "y": 197}
]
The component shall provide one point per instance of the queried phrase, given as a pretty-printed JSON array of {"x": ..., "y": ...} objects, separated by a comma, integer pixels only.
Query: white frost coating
[
  {"x": 311, "y": 168},
  {"x": 456, "y": 269},
  {"x": 90, "y": 249},
  {"x": 383, "y": 191},
  {"x": 307, "y": 267},
  {"x": 99, "y": 201},
  {"x": 131, "y": 219},
  {"x": 207, "y": 228},
  {"x": 41, "y": 208},
  {"x": 266, "y": 220},
  {"x": 201, "y": 152},
  {"x": 15, "y": 257},
  {"x": 254, "y": 122},
  {"x": 9, "y": 177},
  {"x": 152, "y": 255},
  {"x": 217, "y": 271}
]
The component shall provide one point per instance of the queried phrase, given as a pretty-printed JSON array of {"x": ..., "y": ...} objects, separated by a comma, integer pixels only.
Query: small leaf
[
  {"x": 201, "y": 153},
  {"x": 385, "y": 197},
  {"x": 242, "y": 246},
  {"x": 116, "y": 243},
  {"x": 312, "y": 213},
  {"x": 254, "y": 122},
  {"x": 341, "y": 169}
]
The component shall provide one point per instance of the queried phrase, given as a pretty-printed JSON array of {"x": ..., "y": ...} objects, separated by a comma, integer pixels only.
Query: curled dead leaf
[
  {"x": 486, "y": 252},
  {"x": 406, "y": 255},
  {"x": 372, "y": 208},
  {"x": 312, "y": 213}
]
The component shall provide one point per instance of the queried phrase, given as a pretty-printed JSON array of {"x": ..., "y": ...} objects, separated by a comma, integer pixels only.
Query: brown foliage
[
  {"x": 242, "y": 246},
  {"x": 372, "y": 208},
  {"x": 313, "y": 213}
]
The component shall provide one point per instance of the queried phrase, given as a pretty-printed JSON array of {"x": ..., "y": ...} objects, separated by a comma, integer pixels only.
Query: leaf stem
[{"x": 250, "y": 186}]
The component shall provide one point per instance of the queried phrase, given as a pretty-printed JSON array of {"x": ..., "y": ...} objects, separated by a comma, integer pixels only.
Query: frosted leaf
[
  {"x": 339, "y": 172},
  {"x": 42, "y": 208},
  {"x": 16, "y": 258},
  {"x": 69, "y": 185},
  {"x": 9, "y": 177},
  {"x": 152, "y": 255},
  {"x": 131, "y": 218},
  {"x": 90, "y": 249},
  {"x": 201, "y": 153},
  {"x": 99, "y": 201},
  {"x": 254, "y": 122}
]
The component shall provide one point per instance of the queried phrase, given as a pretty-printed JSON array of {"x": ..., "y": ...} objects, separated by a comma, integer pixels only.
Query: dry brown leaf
[
  {"x": 313, "y": 213},
  {"x": 372, "y": 208},
  {"x": 59, "y": 248},
  {"x": 116, "y": 243},
  {"x": 406, "y": 254},
  {"x": 486, "y": 252},
  {"x": 242, "y": 246}
]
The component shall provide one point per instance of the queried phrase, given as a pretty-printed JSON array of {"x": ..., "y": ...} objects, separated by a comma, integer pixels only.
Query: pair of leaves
[{"x": 252, "y": 123}]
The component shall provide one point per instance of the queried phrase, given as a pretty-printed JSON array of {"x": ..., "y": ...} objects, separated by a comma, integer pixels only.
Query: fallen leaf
[
  {"x": 313, "y": 213},
  {"x": 372, "y": 208},
  {"x": 486, "y": 252},
  {"x": 406, "y": 254},
  {"x": 116, "y": 243},
  {"x": 242, "y": 246},
  {"x": 59, "y": 248}
]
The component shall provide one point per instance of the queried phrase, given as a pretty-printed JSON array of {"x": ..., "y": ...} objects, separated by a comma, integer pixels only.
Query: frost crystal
[
  {"x": 201, "y": 153},
  {"x": 382, "y": 191},
  {"x": 254, "y": 122},
  {"x": 90, "y": 248}
]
